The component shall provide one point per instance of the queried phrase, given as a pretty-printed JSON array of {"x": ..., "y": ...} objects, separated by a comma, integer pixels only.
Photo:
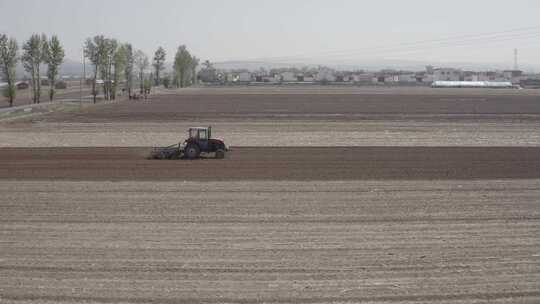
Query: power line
[
  {"x": 512, "y": 34},
  {"x": 447, "y": 45}
]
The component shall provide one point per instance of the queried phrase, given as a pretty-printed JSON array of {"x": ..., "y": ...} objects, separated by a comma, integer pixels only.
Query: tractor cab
[
  {"x": 200, "y": 137},
  {"x": 200, "y": 133}
]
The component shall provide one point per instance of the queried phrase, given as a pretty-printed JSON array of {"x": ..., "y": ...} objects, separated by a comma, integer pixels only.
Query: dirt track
[{"x": 330, "y": 163}]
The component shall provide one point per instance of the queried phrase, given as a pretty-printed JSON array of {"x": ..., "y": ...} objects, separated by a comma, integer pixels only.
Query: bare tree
[
  {"x": 54, "y": 56},
  {"x": 33, "y": 56},
  {"x": 142, "y": 63},
  {"x": 159, "y": 64},
  {"x": 8, "y": 62}
]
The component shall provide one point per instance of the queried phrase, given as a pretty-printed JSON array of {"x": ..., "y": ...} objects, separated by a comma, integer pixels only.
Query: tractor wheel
[
  {"x": 220, "y": 154},
  {"x": 192, "y": 151}
]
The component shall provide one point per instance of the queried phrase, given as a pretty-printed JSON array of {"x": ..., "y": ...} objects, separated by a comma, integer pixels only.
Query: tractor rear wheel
[
  {"x": 220, "y": 154},
  {"x": 192, "y": 151}
]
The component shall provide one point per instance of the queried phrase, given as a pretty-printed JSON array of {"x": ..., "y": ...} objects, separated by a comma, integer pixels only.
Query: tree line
[
  {"x": 37, "y": 50},
  {"x": 112, "y": 63},
  {"x": 112, "y": 60}
]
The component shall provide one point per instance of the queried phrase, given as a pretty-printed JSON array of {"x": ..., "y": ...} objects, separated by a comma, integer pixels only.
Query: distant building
[
  {"x": 491, "y": 76},
  {"x": 363, "y": 78},
  {"x": 305, "y": 78},
  {"x": 407, "y": 78},
  {"x": 288, "y": 77},
  {"x": 244, "y": 77},
  {"x": 22, "y": 85},
  {"x": 530, "y": 83},
  {"x": 208, "y": 75},
  {"x": 270, "y": 78},
  {"x": 325, "y": 75},
  {"x": 390, "y": 78},
  {"x": 470, "y": 76},
  {"x": 473, "y": 84},
  {"x": 514, "y": 76},
  {"x": 60, "y": 85},
  {"x": 447, "y": 74},
  {"x": 230, "y": 77}
]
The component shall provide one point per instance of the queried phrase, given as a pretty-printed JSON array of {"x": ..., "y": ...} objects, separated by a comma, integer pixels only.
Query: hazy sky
[{"x": 337, "y": 30}]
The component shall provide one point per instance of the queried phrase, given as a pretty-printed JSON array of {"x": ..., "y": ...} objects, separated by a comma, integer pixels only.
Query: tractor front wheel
[
  {"x": 192, "y": 151},
  {"x": 220, "y": 154}
]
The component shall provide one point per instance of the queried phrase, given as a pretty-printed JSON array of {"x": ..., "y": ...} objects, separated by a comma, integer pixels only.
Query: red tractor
[{"x": 199, "y": 142}]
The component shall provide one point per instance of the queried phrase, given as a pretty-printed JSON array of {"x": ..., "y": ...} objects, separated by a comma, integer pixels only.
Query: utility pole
[
  {"x": 81, "y": 81},
  {"x": 516, "y": 66}
]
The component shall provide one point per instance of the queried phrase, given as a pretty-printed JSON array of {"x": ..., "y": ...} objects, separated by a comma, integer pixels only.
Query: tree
[
  {"x": 142, "y": 63},
  {"x": 194, "y": 64},
  {"x": 94, "y": 50},
  {"x": 108, "y": 47},
  {"x": 147, "y": 83},
  {"x": 54, "y": 56},
  {"x": 119, "y": 63},
  {"x": 182, "y": 66},
  {"x": 128, "y": 67},
  {"x": 33, "y": 56},
  {"x": 8, "y": 63},
  {"x": 166, "y": 81},
  {"x": 159, "y": 64}
]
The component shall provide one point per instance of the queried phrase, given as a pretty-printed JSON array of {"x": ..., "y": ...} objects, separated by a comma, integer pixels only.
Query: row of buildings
[{"x": 394, "y": 77}]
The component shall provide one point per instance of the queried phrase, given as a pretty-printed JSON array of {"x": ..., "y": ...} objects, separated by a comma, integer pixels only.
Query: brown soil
[
  {"x": 450, "y": 242},
  {"x": 310, "y": 163},
  {"x": 368, "y": 104}
]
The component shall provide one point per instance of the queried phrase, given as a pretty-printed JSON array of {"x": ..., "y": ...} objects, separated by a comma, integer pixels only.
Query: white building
[
  {"x": 407, "y": 78},
  {"x": 325, "y": 75},
  {"x": 288, "y": 77},
  {"x": 513, "y": 76},
  {"x": 491, "y": 76},
  {"x": 244, "y": 77},
  {"x": 446, "y": 75},
  {"x": 363, "y": 78},
  {"x": 391, "y": 78},
  {"x": 309, "y": 78},
  {"x": 472, "y": 84},
  {"x": 428, "y": 78}
]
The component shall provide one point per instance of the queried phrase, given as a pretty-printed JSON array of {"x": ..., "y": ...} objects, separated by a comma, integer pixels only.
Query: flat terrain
[
  {"x": 270, "y": 242},
  {"x": 329, "y": 195},
  {"x": 24, "y": 97},
  {"x": 318, "y": 105},
  {"x": 281, "y": 117},
  {"x": 242, "y": 163}
]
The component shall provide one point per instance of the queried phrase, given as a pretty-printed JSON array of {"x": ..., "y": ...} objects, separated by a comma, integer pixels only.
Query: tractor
[{"x": 199, "y": 142}]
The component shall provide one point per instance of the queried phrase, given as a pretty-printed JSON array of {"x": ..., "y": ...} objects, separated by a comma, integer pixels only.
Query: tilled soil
[
  {"x": 380, "y": 104},
  {"x": 403, "y": 223},
  {"x": 270, "y": 242},
  {"x": 289, "y": 163},
  {"x": 262, "y": 133}
]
